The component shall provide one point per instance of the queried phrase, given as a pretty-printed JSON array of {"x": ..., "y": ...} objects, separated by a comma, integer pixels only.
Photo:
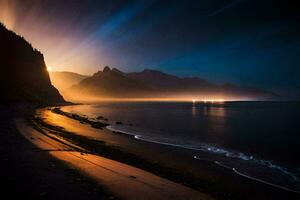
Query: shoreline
[
  {"x": 203, "y": 176},
  {"x": 31, "y": 173},
  {"x": 122, "y": 180},
  {"x": 136, "y": 136}
]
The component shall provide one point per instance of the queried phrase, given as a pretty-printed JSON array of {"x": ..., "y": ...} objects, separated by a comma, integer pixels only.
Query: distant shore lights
[
  {"x": 213, "y": 100},
  {"x": 209, "y": 100}
]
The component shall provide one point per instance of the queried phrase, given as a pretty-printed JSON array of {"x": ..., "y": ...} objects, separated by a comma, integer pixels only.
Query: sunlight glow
[
  {"x": 49, "y": 69},
  {"x": 213, "y": 100}
]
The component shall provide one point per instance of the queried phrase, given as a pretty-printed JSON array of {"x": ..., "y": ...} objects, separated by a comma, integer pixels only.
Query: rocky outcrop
[{"x": 24, "y": 77}]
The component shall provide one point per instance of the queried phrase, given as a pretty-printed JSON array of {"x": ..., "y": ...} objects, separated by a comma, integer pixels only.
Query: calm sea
[{"x": 257, "y": 140}]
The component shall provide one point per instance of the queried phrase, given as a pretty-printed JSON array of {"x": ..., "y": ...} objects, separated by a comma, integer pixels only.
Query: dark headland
[{"x": 26, "y": 171}]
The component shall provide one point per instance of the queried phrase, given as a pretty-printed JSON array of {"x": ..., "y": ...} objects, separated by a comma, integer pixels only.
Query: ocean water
[{"x": 257, "y": 140}]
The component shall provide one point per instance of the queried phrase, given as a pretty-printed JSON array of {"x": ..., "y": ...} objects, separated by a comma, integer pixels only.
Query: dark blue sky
[{"x": 247, "y": 42}]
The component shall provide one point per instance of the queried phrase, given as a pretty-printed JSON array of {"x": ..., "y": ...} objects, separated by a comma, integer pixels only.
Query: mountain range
[
  {"x": 24, "y": 78},
  {"x": 113, "y": 83}
]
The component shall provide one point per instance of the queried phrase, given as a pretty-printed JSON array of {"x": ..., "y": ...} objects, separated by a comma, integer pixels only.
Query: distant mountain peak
[
  {"x": 117, "y": 70},
  {"x": 152, "y": 71},
  {"x": 154, "y": 83},
  {"x": 106, "y": 69}
]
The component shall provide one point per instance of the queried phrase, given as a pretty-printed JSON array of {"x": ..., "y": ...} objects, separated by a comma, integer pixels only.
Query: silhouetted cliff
[{"x": 24, "y": 76}]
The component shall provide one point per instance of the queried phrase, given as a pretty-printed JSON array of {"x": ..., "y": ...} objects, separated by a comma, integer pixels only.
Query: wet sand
[
  {"x": 122, "y": 180},
  {"x": 28, "y": 172},
  {"x": 168, "y": 162}
]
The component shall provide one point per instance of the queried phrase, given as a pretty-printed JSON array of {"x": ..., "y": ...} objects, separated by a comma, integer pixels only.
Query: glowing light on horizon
[
  {"x": 61, "y": 46},
  {"x": 213, "y": 100},
  {"x": 49, "y": 69},
  {"x": 194, "y": 100}
]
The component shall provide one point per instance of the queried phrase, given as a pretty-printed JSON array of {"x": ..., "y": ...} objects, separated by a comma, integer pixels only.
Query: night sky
[{"x": 246, "y": 42}]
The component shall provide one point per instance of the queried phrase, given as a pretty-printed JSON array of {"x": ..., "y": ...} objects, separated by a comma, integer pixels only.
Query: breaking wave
[{"x": 245, "y": 165}]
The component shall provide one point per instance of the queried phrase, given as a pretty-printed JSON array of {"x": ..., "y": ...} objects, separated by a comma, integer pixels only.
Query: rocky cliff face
[{"x": 24, "y": 76}]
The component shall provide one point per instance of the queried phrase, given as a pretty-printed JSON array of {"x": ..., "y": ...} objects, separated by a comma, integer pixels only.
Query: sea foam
[{"x": 240, "y": 163}]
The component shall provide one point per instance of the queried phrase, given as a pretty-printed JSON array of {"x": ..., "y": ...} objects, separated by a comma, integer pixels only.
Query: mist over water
[{"x": 257, "y": 140}]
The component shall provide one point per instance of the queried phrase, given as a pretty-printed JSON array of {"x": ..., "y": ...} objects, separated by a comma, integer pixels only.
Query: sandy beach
[
  {"x": 31, "y": 173},
  {"x": 176, "y": 168},
  {"x": 124, "y": 181}
]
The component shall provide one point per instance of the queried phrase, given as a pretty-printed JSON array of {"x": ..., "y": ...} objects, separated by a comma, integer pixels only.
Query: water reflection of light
[
  {"x": 214, "y": 111},
  {"x": 216, "y": 116},
  {"x": 212, "y": 107},
  {"x": 194, "y": 111},
  {"x": 218, "y": 111}
]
